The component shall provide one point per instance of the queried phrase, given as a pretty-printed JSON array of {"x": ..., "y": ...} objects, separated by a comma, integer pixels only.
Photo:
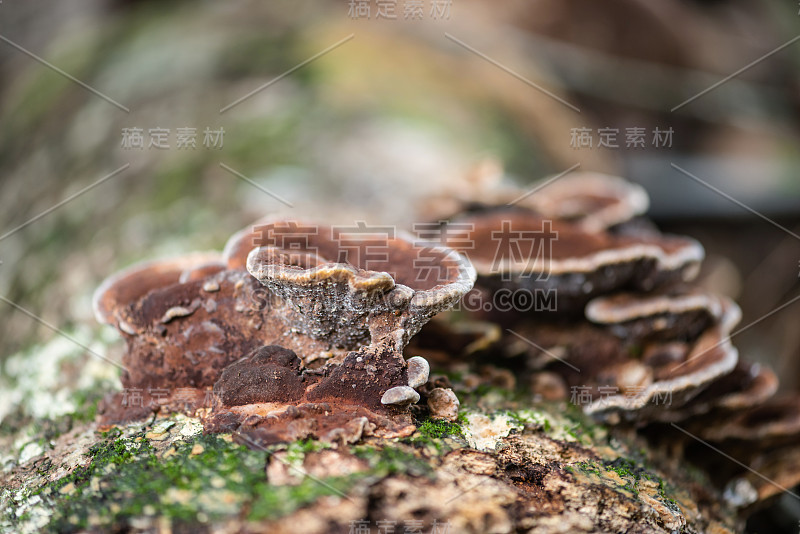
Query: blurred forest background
[{"x": 404, "y": 108}]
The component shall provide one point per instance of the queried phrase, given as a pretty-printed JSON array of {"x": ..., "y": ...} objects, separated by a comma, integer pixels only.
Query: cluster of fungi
[
  {"x": 299, "y": 331},
  {"x": 292, "y": 335}
]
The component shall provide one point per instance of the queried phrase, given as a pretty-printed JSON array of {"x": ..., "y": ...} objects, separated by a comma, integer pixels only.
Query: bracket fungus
[
  {"x": 514, "y": 249},
  {"x": 591, "y": 201},
  {"x": 638, "y": 372},
  {"x": 746, "y": 386},
  {"x": 349, "y": 287},
  {"x": 775, "y": 420},
  {"x": 617, "y": 319},
  {"x": 295, "y": 329},
  {"x": 613, "y": 322},
  {"x": 665, "y": 316},
  {"x": 129, "y": 285},
  {"x": 708, "y": 357},
  {"x": 762, "y": 436},
  {"x": 298, "y": 330}
]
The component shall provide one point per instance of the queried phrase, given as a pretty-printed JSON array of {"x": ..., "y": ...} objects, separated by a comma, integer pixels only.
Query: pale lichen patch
[{"x": 484, "y": 432}]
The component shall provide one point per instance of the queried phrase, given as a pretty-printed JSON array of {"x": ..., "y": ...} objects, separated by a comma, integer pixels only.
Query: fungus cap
[
  {"x": 594, "y": 201},
  {"x": 347, "y": 288},
  {"x": 671, "y": 315},
  {"x": 710, "y": 357},
  {"x": 129, "y": 285}
]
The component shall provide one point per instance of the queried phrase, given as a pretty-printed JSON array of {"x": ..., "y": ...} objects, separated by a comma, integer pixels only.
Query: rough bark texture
[{"x": 507, "y": 465}]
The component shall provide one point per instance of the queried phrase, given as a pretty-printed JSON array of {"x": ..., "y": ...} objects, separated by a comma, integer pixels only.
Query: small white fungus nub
[
  {"x": 400, "y": 395},
  {"x": 418, "y": 371}
]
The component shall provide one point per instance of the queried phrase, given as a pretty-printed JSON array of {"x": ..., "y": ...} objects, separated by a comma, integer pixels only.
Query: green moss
[
  {"x": 560, "y": 422},
  {"x": 526, "y": 417},
  {"x": 221, "y": 480},
  {"x": 629, "y": 471},
  {"x": 488, "y": 398},
  {"x": 115, "y": 451},
  {"x": 382, "y": 461},
  {"x": 588, "y": 468},
  {"x": 298, "y": 449},
  {"x": 389, "y": 460},
  {"x": 581, "y": 427},
  {"x": 129, "y": 476},
  {"x": 433, "y": 429},
  {"x": 434, "y": 438},
  {"x": 632, "y": 473},
  {"x": 623, "y": 467},
  {"x": 277, "y": 501}
]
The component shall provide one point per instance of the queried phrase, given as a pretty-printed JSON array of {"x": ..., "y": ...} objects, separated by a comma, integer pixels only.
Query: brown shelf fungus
[
  {"x": 746, "y": 386},
  {"x": 112, "y": 299},
  {"x": 350, "y": 287},
  {"x": 633, "y": 378},
  {"x": 671, "y": 315},
  {"x": 610, "y": 322},
  {"x": 590, "y": 200},
  {"x": 316, "y": 347},
  {"x": 515, "y": 250},
  {"x": 665, "y": 379}
]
